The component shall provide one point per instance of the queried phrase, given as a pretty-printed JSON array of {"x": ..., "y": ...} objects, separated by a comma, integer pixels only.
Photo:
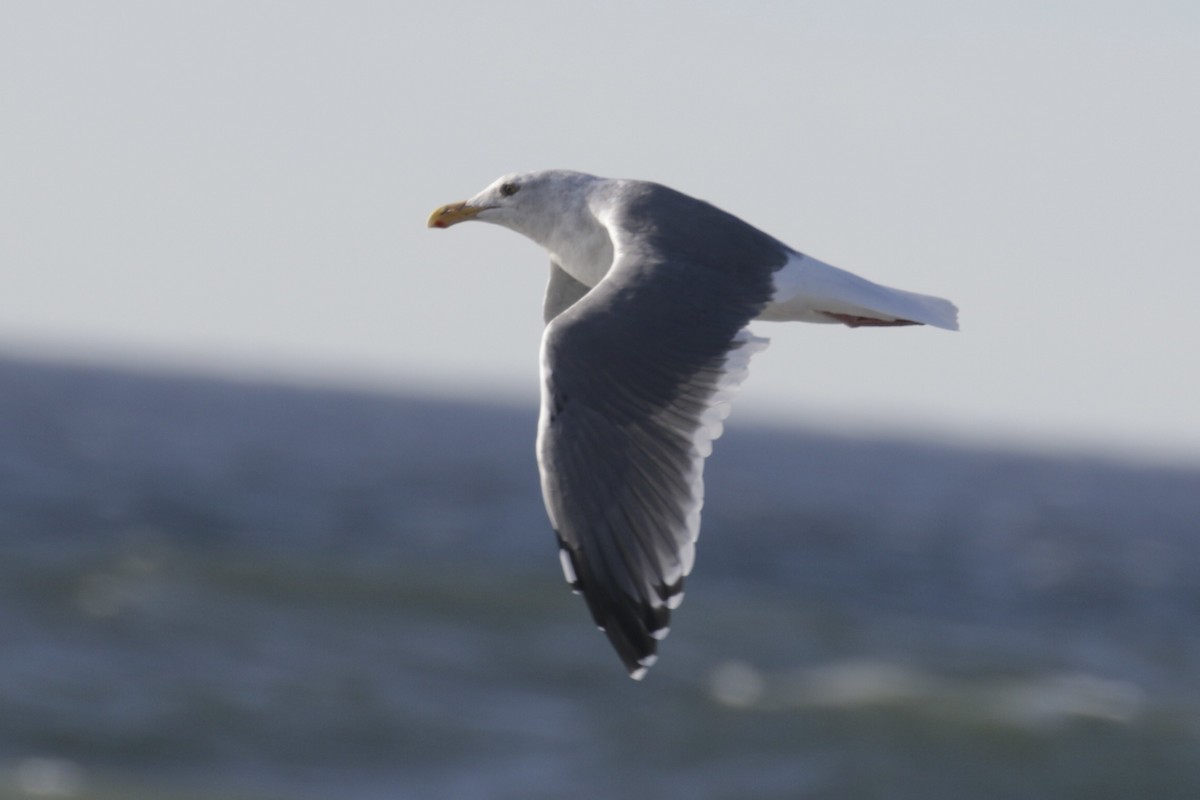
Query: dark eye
[{"x": 508, "y": 189}]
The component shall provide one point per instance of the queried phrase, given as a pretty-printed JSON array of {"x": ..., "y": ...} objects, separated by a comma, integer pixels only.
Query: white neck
[{"x": 575, "y": 239}]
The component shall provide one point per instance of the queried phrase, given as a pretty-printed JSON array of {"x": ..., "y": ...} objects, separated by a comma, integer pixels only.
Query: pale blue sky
[{"x": 241, "y": 188}]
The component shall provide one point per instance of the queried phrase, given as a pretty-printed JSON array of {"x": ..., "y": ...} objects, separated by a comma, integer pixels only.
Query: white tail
[{"x": 809, "y": 290}]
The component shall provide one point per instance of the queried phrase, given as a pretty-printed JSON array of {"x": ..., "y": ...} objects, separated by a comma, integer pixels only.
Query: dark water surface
[{"x": 220, "y": 590}]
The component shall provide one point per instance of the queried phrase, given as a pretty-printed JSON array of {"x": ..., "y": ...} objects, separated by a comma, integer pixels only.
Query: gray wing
[
  {"x": 637, "y": 377},
  {"x": 562, "y": 292}
]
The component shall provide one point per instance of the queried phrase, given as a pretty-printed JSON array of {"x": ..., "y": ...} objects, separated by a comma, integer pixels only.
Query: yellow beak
[{"x": 452, "y": 214}]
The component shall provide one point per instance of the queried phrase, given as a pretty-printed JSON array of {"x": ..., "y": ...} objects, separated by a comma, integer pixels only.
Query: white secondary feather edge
[{"x": 733, "y": 371}]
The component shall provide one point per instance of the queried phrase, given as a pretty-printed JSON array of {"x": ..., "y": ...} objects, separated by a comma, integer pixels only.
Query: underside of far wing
[{"x": 562, "y": 292}]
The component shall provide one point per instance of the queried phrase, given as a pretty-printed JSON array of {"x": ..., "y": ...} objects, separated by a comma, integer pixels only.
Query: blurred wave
[{"x": 213, "y": 589}]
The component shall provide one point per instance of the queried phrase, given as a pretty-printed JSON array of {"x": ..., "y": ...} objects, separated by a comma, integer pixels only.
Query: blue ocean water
[{"x": 213, "y": 589}]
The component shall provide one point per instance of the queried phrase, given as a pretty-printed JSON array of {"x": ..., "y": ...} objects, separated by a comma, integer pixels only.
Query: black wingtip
[
  {"x": 637, "y": 650},
  {"x": 634, "y": 628}
]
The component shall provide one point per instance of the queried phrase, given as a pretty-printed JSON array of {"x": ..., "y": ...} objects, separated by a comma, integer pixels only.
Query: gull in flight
[{"x": 646, "y": 342}]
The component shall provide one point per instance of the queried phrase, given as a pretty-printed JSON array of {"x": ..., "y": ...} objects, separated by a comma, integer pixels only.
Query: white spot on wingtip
[
  {"x": 638, "y": 673},
  {"x": 660, "y": 634},
  {"x": 673, "y": 601},
  {"x": 568, "y": 571}
]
